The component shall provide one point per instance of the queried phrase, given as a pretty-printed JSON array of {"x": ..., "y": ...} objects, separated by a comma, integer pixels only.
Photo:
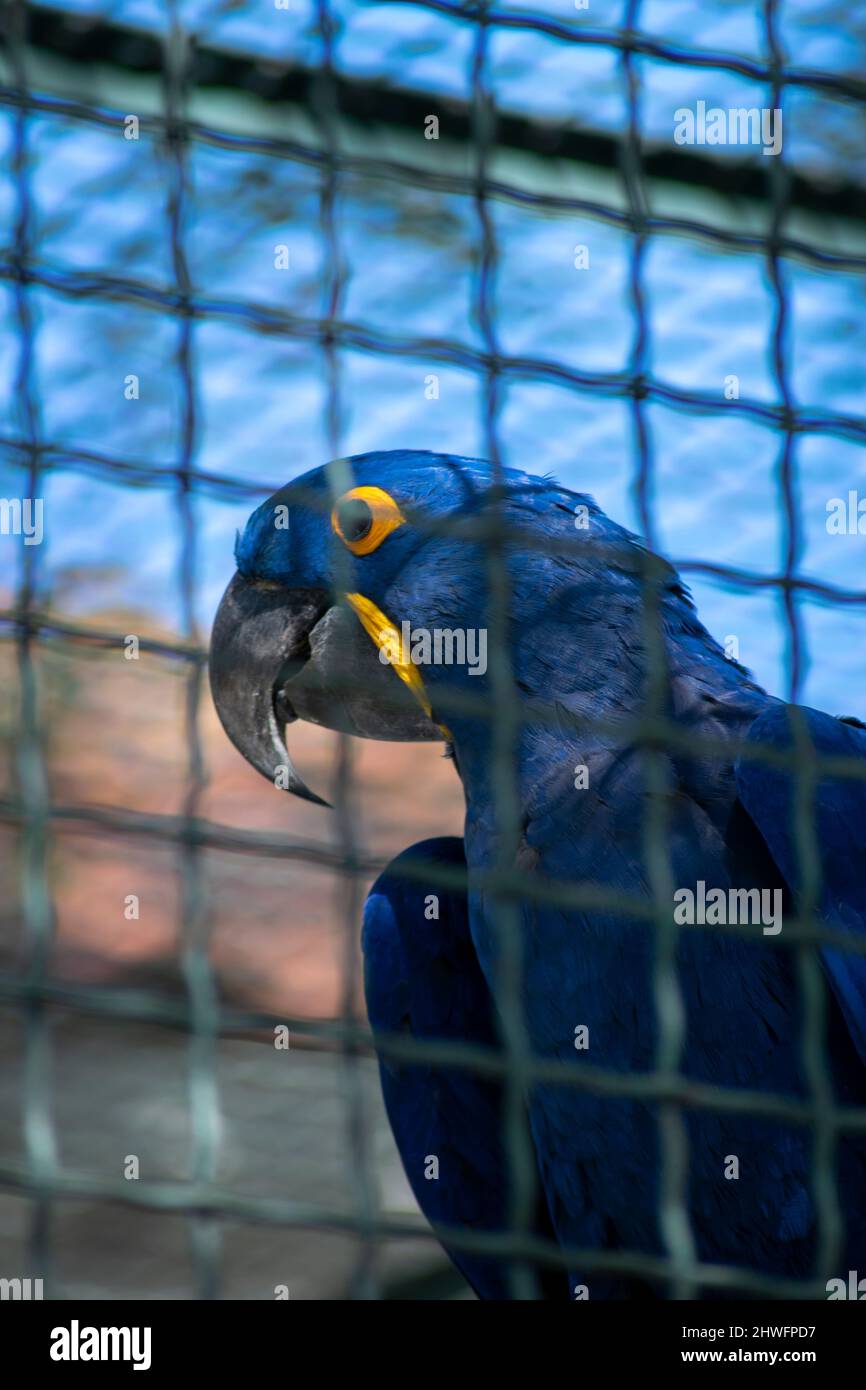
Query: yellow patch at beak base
[{"x": 388, "y": 639}]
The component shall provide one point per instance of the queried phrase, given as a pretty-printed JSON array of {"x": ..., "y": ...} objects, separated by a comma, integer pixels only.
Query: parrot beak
[
  {"x": 278, "y": 655},
  {"x": 259, "y": 634}
]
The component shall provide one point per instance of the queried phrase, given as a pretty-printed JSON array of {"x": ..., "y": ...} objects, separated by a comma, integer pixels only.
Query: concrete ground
[{"x": 120, "y": 1089}]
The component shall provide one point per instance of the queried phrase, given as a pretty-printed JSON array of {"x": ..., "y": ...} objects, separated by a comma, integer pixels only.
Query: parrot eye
[
  {"x": 363, "y": 517},
  {"x": 354, "y": 519}
]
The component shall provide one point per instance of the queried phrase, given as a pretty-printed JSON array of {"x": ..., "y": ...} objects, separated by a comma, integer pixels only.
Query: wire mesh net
[{"x": 183, "y": 285}]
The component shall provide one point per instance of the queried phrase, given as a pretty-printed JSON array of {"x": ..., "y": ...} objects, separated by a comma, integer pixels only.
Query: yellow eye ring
[{"x": 363, "y": 517}]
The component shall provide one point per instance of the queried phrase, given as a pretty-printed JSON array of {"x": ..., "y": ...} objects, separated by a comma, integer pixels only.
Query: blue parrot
[{"x": 362, "y": 601}]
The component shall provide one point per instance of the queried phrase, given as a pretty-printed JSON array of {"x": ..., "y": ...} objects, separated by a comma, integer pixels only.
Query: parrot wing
[
  {"x": 838, "y": 815},
  {"x": 422, "y": 977}
]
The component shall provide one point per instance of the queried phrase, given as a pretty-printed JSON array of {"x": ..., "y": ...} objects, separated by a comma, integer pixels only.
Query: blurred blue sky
[{"x": 409, "y": 255}]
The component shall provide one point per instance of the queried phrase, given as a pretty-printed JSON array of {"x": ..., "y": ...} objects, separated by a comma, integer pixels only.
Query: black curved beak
[{"x": 260, "y": 637}]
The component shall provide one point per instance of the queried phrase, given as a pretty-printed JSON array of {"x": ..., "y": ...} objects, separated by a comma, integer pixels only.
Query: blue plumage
[
  {"x": 422, "y": 977},
  {"x": 577, "y": 634}
]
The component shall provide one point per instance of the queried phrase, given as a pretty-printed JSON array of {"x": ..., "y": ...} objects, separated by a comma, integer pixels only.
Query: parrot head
[
  {"x": 330, "y": 570},
  {"x": 340, "y": 571}
]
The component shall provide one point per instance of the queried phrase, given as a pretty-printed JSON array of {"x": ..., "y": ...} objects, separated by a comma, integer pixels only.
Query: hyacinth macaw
[{"x": 329, "y": 570}]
